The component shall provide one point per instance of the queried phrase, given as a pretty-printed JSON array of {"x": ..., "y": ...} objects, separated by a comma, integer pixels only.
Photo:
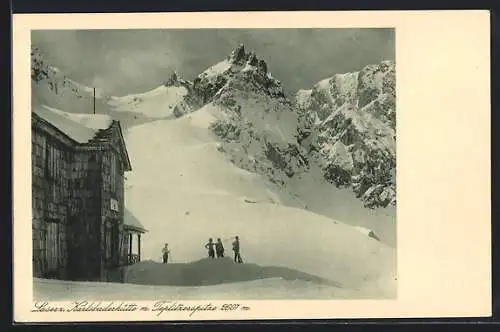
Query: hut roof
[
  {"x": 131, "y": 222},
  {"x": 80, "y": 127},
  {"x": 85, "y": 128}
]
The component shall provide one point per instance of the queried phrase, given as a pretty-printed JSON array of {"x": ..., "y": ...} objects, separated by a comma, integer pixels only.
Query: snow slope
[
  {"x": 157, "y": 103},
  {"x": 321, "y": 197},
  {"x": 184, "y": 191},
  {"x": 50, "y": 87}
]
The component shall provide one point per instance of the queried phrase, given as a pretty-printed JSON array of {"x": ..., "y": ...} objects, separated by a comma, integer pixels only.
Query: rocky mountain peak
[
  {"x": 241, "y": 71},
  {"x": 252, "y": 59},
  {"x": 262, "y": 66},
  {"x": 237, "y": 54},
  {"x": 257, "y": 124},
  {"x": 51, "y": 78},
  {"x": 39, "y": 70},
  {"x": 172, "y": 80}
]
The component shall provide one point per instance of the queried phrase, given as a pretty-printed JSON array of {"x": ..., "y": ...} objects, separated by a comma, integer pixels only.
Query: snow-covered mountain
[
  {"x": 352, "y": 120},
  {"x": 344, "y": 125},
  {"x": 254, "y": 121}
]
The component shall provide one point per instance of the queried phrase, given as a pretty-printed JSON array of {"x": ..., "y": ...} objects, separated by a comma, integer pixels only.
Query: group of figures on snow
[{"x": 214, "y": 248}]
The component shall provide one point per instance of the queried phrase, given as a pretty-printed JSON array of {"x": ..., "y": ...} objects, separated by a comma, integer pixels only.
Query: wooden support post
[{"x": 139, "y": 246}]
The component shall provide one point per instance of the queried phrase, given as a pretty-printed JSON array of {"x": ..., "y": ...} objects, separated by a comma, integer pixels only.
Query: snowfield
[
  {"x": 184, "y": 191},
  {"x": 157, "y": 103},
  {"x": 340, "y": 204}
]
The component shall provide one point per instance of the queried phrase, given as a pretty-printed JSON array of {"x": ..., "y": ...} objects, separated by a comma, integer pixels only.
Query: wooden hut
[{"x": 78, "y": 166}]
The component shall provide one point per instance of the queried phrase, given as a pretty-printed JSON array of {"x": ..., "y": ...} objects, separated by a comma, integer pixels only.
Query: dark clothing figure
[
  {"x": 165, "y": 252},
  {"x": 236, "y": 249},
  {"x": 210, "y": 246},
  {"x": 219, "y": 248}
]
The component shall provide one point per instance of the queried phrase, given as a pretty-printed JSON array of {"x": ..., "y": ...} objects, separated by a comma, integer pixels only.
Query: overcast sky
[{"x": 130, "y": 61}]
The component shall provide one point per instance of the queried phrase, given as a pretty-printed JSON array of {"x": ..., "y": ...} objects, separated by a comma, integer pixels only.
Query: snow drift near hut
[
  {"x": 208, "y": 271},
  {"x": 260, "y": 289}
]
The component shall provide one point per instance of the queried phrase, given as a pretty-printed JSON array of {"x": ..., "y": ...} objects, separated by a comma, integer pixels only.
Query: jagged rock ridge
[
  {"x": 351, "y": 121},
  {"x": 51, "y": 76}
]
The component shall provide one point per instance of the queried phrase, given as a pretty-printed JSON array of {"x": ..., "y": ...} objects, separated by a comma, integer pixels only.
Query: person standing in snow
[
  {"x": 210, "y": 246},
  {"x": 165, "y": 251},
  {"x": 219, "y": 248},
  {"x": 236, "y": 249}
]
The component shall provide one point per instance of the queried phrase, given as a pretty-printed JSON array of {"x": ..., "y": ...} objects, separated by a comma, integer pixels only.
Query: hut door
[
  {"x": 78, "y": 266},
  {"x": 39, "y": 251},
  {"x": 52, "y": 246}
]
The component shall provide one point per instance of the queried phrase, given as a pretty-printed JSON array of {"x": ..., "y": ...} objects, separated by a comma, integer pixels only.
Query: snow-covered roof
[
  {"x": 130, "y": 221},
  {"x": 80, "y": 127}
]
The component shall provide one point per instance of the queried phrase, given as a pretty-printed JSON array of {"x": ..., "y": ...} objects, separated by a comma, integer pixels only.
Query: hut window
[
  {"x": 53, "y": 161},
  {"x": 112, "y": 241},
  {"x": 114, "y": 173}
]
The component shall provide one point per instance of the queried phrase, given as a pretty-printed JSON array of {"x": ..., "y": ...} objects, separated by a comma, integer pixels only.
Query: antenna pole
[{"x": 94, "y": 100}]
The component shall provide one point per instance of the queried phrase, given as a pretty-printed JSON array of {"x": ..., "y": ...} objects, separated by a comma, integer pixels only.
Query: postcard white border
[{"x": 443, "y": 160}]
